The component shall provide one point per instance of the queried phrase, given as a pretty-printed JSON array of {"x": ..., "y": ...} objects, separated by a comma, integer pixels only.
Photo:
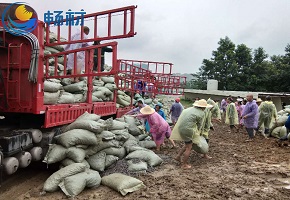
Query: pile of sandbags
[
  {"x": 103, "y": 89},
  {"x": 278, "y": 129},
  {"x": 98, "y": 145},
  {"x": 123, "y": 99}
]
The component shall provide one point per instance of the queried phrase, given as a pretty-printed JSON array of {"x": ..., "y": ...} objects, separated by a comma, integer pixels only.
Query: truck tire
[
  {"x": 10, "y": 165},
  {"x": 24, "y": 159},
  {"x": 36, "y": 153}
]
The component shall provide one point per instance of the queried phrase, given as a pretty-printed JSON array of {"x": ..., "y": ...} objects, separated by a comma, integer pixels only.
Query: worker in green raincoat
[
  {"x": 231, "y": 114},
  {"x": 189, "y": 124},
  {"x": 267, "y": 115},
  {"x": 211, "y": 113}
]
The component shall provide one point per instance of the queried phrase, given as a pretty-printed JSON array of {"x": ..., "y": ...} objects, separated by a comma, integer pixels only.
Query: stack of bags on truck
[
  {"x": 64, "y": 91},
  {"x": 278, "y": 129},
  {"x": 91, "y": 145}
]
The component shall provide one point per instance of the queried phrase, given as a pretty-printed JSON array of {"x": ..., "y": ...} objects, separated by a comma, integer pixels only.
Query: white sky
[{"x": 185, "y": 32}]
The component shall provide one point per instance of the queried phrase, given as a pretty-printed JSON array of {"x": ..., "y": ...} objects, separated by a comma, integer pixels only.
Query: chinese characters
[{"x": 69, "y": 18}]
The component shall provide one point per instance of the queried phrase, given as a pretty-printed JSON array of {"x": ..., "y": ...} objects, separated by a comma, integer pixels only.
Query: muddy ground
[{"x": 238, "y": 170}]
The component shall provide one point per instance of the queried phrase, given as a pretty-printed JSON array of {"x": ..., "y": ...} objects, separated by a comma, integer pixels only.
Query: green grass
[{"x": 186, "y": 103}]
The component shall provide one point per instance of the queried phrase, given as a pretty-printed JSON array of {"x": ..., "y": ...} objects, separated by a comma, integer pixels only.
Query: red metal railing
[
  {"x": 126, "y": 31},
  {"x": 156, "y": 68}
]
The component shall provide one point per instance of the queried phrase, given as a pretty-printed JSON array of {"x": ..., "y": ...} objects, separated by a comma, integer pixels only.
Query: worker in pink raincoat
[{"x": 159, "y": 128}]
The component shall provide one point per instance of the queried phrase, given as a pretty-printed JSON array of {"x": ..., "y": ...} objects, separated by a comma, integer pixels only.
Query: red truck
[{"x": 23, "y": 70}]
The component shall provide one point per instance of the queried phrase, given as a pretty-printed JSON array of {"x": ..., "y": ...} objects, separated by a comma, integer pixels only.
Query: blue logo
[
  {"x": 71, "y": 18},
  {"x": 24, "y": 22}
]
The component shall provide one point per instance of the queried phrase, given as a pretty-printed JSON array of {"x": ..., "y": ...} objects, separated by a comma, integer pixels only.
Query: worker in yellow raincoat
[
  {"x": 267, "y": 115},
  {"x": 231, "y": 115}
]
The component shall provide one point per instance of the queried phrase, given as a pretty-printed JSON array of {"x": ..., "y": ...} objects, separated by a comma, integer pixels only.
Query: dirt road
[{"x": 238, "y": 170}]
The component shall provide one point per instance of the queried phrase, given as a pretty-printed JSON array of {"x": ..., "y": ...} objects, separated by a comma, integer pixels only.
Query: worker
[
  {"x": 250, "y": 116},
  {"x": 211, "y": 113},
  {"x": 159, "y": 128},
  {"x": 240, "y": 107},
  {"x": 190, "y": 123},
  {"x": 158, "y": 109},
  {"x": 140, "y": 105},
  {"x": 259, "y": 101},
  {"x": 141, "y": 86},
  {"x": 80, "y": 55},
  {"x": 267, "y": 114},
  {"x": 231, "y": 115},
  {"x": 223, "y": 108},
  {"x": 175, "y": 110},
  {"x": 103, "y": 50}
]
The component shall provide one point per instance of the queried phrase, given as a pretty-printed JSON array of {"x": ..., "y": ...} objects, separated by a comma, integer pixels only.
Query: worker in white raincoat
[
  {"x": 188, "y": 125},
  {"x": 80, "y": 55},
  {"x": 267, "y": 115}
]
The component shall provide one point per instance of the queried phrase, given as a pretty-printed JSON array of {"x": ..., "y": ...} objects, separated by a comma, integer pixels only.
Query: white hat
[
  {"x": 147, "y": 110},
  {"x": 202, "y": 104},
  {"x": 259, "y": 100}
]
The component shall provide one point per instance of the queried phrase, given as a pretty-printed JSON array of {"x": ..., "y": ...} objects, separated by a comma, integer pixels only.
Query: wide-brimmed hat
[
  {"x": 147, "y": 110},
  {"x": 259, "y": 100},
  {"x": 202, "y": 104}
]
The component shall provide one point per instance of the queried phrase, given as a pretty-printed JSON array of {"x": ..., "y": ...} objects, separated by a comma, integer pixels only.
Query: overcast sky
[{"x": 185, "y": 32}]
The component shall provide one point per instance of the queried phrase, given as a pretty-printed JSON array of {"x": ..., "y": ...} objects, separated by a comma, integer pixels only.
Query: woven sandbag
[
  {"x": 55, "y": 153},
  {"x": 142, "y": 137},
  {"x": 110, "y": 160},
  {"x": 279, "y": 132},
  {"x": 136, "y": 167},
  {"x": 125, "y": 98},
  {"x": 76, "y": 87},
  {"x": 99, "y": 95},
  {"x": 98, "y": 161},
  {"x": 112, "y": 87},
  {"x": 66, "y": 81},
  {"x": 67, "y": 162},
  {"x": 116, "y": 125},
  {"x": 98, "y": 83},
  {"x": 101, "y": 146},
  {"x": 122, "y": 102},
  {"x": 111, "y": 97},
  {"x": 137, "y": 96},
  {"x": 132, "y": 148},
  {"x": 76, "y": 154},
  {"x": 281, "y": 120},
  {"x": 89, "y": 125},
  {"x": 65, "y": 98},
  {"x": 51, "y": 50},
  {"x": 96, "y": 99},
  {"x": 51, "y": 86},
  {"x": 108, "y": 79},
  {"x": 52, "y": 37},
  {"x": 80, "y": 98},
  {"x": 121, "y": 135},
  {"x": 89, "y": 116},
  {"x": 149, "y": 144},
  {"x": 106, "y": 135},
  {"x": 119, "y": 152},
  {"x": 77, "y": 137},
  {"x": 51, "y": 98},
  {"x": 54, "y": 80},
  {"x": 51, "y": 184},
  {"x": 121, "y": 92},
  {"x": 133, "y": 129},
  {"x": 105, "y": 90},
  {"x": 122, "y": 183},
  {"x": 148, "y": 101},
  {"x": 75, "y": 184},
  {"x": 148, "y": 156},
  {"x": 199, "y": 144},
  {"x": 46, "y": 52},
  {"x": 58, "y": 47}
]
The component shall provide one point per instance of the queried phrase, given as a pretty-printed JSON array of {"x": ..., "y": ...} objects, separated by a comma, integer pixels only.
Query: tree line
[{"x": 239, "y": 68}]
